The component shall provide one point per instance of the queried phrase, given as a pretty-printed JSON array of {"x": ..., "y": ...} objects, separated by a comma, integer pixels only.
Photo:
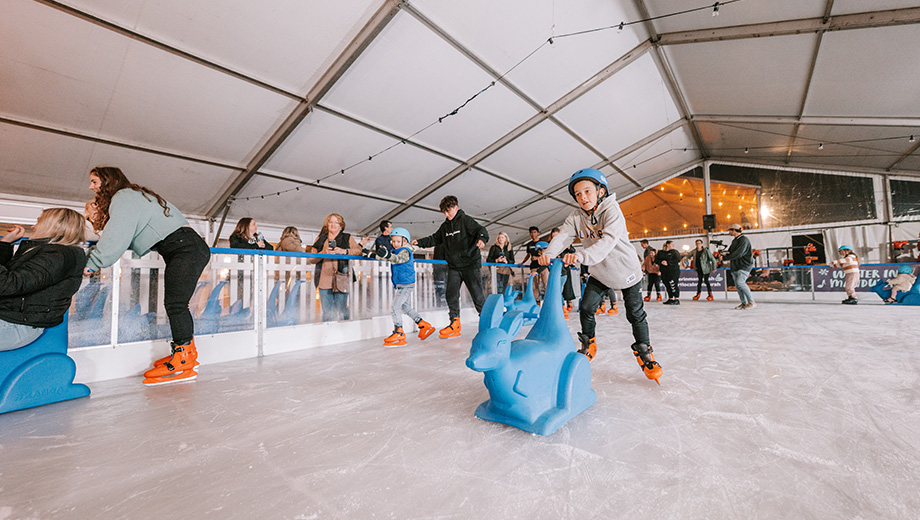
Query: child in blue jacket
[{"x": 402, "y": 271}]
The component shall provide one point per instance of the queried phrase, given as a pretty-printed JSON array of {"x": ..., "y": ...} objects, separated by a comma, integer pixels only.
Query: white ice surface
[{"x": 785, "y": 411}]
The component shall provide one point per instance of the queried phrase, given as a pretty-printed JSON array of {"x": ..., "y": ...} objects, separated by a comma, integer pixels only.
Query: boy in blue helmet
[
  {"x": 900, "y": 283},
  {"x": 614, "y": 265},
  {"x": 402, "y": 269}
]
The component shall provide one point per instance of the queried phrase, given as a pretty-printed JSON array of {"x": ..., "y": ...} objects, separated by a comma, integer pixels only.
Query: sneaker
[
  {"x": 750, "y": 305},
  {"x": 741, "y": 307}
]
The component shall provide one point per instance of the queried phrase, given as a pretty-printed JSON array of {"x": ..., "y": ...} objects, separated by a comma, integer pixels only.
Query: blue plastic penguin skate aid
[
  {"x": 39, "y": 373},
  {"x": 537, "y": 383}
]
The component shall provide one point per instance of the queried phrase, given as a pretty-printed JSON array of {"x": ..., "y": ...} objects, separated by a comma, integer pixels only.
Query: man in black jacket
[
  {"x": 741, "y": 257},
  {"x": 462, "y": 238}
]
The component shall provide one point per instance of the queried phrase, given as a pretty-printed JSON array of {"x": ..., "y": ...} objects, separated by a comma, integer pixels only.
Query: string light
[
  {"x": 911, "y": 139},
  {"x": 746, "y": 150},
  {"x": 820, "y": 146},
  {"x": 549, "y": 41}
]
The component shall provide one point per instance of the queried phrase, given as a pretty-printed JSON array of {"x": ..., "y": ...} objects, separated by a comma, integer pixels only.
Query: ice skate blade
[
  {"x": 181, "y": 377},
  {"x": 395, "y": 345}
]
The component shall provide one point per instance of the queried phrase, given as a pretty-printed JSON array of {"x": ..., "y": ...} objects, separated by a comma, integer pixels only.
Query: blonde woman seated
[
  {"x": 39, "y": 280},
  {"x": 333, "y": 276}
]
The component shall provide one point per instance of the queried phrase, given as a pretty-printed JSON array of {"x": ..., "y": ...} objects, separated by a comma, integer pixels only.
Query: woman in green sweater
[{"x": 130, "y": 216}]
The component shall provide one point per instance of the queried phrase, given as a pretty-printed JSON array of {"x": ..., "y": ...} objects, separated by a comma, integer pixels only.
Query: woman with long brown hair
[
  {"x": 246, "y": 236},
  {"x": 133, "y": 217},
  {"x": 37, "y": 283}
]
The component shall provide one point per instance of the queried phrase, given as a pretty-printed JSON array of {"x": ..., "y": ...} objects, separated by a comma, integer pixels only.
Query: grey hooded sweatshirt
[{"x": 607, "y": 250}]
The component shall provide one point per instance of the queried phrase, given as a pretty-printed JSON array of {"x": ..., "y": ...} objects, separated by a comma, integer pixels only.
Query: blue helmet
[
  {"x": 401, "y": 232},
  {"x": 905, "y": 269},
  {"x": 541, "y": 245},
  {"x": 843, "y": 248},
  {"x": 588, "y": 174}
]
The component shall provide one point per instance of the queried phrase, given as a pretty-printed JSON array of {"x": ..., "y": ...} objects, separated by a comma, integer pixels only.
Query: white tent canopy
[{"x": 231, "y": 108}]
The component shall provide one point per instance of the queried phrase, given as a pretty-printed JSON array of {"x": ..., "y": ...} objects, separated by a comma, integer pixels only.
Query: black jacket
[
  {"x": 673, "y": 259},
  {"x": 238, "y": 242},
  {"x": 459, "y": 237},
  {"x": 38, "y": 282},
  {"x": 495, "y": 252},
  {"x": 740, "y": 254}
]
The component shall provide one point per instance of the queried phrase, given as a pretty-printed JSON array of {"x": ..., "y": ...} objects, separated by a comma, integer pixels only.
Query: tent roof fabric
[{"x": 289, "y": 111}]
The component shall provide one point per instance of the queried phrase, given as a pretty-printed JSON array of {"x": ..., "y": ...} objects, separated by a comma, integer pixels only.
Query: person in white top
[
  {"x": 850, "y": 265},
  {"x": 601, "y": 226}
]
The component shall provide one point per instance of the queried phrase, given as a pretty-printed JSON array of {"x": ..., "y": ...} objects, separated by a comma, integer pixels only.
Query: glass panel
[
  {"x": 674, "y": 207},
  {"x": 788, "y": 198},
  {"x": 90, "y": 318},
  {"x": 905, "y": 198}
]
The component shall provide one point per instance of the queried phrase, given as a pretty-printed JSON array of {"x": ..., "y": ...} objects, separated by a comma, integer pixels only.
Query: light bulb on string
[
  {"x": 911, "y": 139},
  {"x": 746, "y": 150},
  {"x": 715, "y": 9},
  {"x": 620, "y": 28},
  {"x": 820, "y": 146}
]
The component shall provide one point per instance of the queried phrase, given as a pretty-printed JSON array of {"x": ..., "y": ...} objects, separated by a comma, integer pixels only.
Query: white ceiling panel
[
  {"x": 420, "y": 222},
  {"x": 480, "y": 193},
  {"x": 324, "y": 144},
  {"x": 409, "y": 78},
  {"x": 728, "y": 140},
  {"x": 544, "y": 214},
  {"x": 911, "y": 163},
  {"x": 305, "y": 208},
  {"x": 669, "y": 152},
  {"x": 868, "y": 72},
  {"x": 304, "y": 37},
  {"x": 140, "y": 95},
  {"x": 861, "y": 6},
  {"x": 738, "y": 13},
  {"x": 869, "y": 147},
  {"x": 503, "y": 33},
  {"x": 632, "y": 104},
  {"x": 28, "y": 169},
  {"x": 764, "y": 76},
  {"x": 541, "y": 158}
]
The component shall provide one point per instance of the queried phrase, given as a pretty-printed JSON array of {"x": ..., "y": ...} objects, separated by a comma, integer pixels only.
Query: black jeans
[
  {"x": 632, "y": 299},
  {"x": 186, "y": 255},
  {"x": 670, "y": 283},
  {"x": 700, "y": 278},
  {"x": 473, "y": 280},
  {"x": 653, "y": 281}
]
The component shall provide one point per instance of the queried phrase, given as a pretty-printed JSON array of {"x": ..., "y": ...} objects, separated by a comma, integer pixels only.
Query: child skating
[
  {"x": 850, "y": 265},
  {"x": 402, "y": 270},
  {"x": 903, "y": 282},
  {"x": 614, "y": 265}
]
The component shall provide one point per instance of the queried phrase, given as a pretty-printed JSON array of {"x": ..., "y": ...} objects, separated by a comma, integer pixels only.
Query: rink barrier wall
[{"x": 256, "y": 303}]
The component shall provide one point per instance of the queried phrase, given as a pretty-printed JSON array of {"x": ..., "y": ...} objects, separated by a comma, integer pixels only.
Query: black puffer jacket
[
  {"x": 459, "y": 236},
  {"x": 38, "y": 282}
]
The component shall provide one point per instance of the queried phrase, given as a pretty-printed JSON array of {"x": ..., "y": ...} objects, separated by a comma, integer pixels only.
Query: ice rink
[{"x": 784, "y": 411}]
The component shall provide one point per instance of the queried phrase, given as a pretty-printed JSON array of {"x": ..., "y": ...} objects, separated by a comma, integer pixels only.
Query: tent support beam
[
  {"x": 809, "y": 120},
  {"x": 358, "y": 44},
  {"x": 536, "y": 119},
  {"x": 867, "y": 20},
  {"x": 807, "y": 89},
  {"x": 664, "y": 68}
]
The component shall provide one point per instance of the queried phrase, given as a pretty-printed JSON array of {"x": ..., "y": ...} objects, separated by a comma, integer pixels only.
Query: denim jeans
[
  {"x": 744, "y": 292},
  {"x": 14, "y": 335},
  {"x": 473, "y": 280},
  {"x": 632, "y": 299},
  {"x": 501, "y": 281},
  {"x": 402, "y": 304},
  {"x": 334, "y": 304},
  {"x": 186, "y": 255}
]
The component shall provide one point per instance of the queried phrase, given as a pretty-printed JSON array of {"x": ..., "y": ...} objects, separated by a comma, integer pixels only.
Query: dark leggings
[
  {"x": 186, "y": 255},
  {"x": 653, "y": 281},
  {"x": 473, "y": 280},
  {"x": 700, "y": 278},
  {"x": 670, "y": 283},
  {"x": 632, "y": 299}
]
